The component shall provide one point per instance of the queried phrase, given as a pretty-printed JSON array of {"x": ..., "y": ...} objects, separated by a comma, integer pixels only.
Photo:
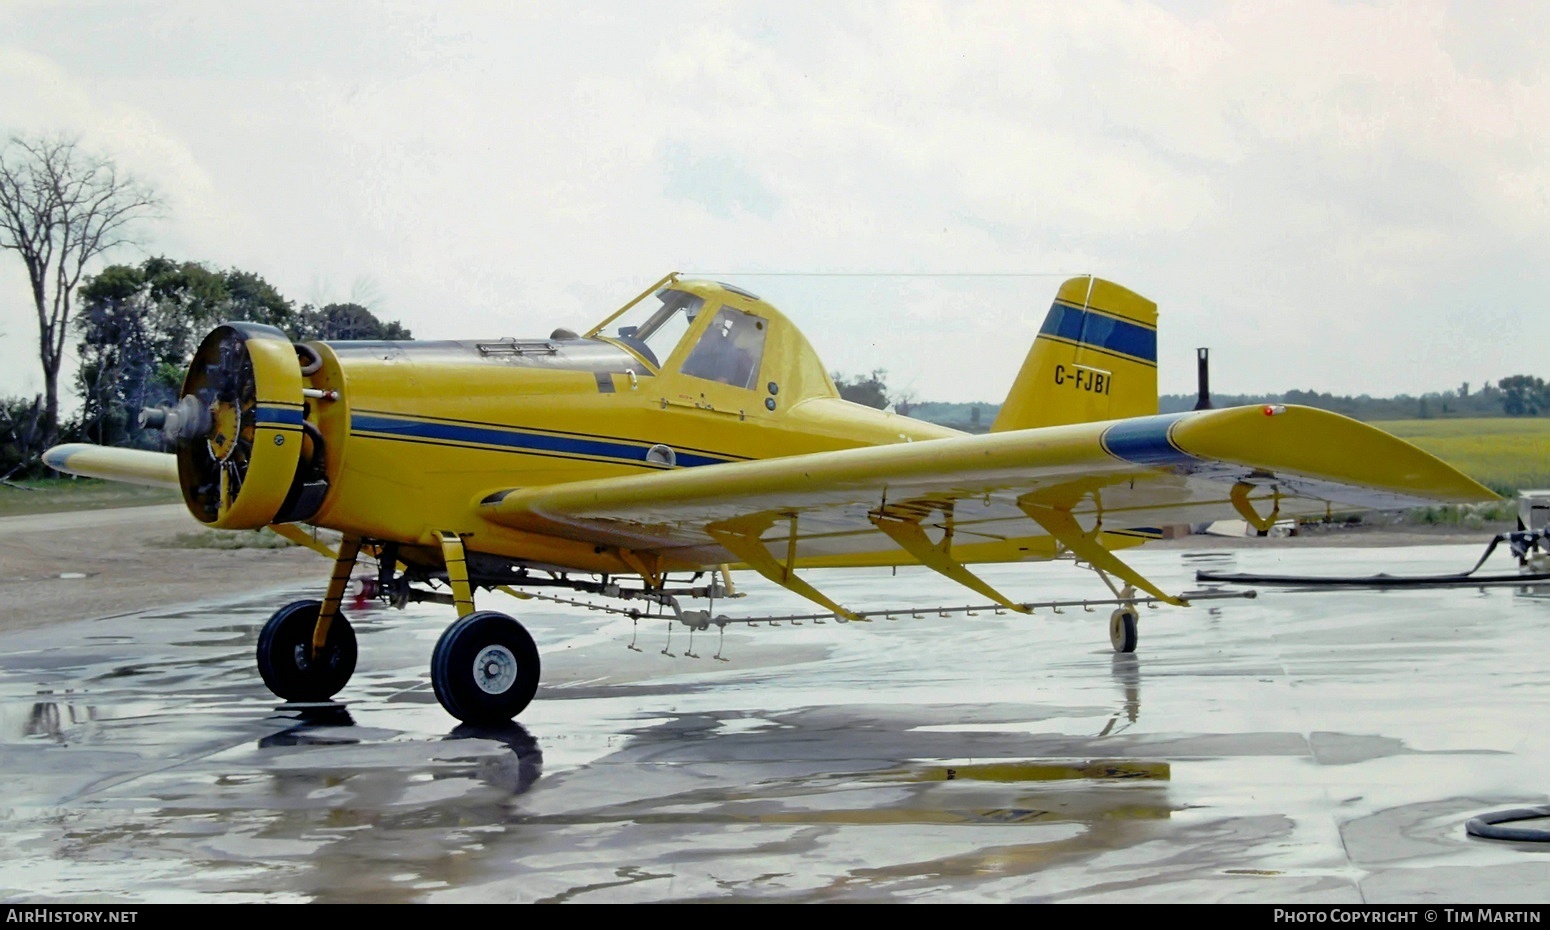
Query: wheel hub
[{"x": 495, "y": 669}]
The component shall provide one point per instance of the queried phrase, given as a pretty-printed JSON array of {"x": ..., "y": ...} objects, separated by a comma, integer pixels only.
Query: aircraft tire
[
  {"x": 1122, "y": 629},
  {"x": 485, "y": 668},
  {"x": 282, "y": 654}
]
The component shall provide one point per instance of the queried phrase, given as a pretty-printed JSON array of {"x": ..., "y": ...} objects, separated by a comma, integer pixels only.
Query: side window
[{"x": 730, "y": 350}]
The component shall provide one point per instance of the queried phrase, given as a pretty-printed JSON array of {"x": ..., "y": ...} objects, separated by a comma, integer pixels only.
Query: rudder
[{"x": 1095, "y": 358}]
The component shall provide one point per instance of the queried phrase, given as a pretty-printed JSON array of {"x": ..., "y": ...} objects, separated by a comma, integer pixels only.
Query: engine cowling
[{"x": 246, "y": 455}]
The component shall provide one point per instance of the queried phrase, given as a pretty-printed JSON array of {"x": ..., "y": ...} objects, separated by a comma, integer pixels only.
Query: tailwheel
[
  {"x": 485, "y": 668},
  {"x": 1122, "y": 629},
  {"x": 286, "y": 659}
]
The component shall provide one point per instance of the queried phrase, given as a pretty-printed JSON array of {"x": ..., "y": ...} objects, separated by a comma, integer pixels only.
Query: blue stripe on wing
[{"x": 1146, "y": 441}]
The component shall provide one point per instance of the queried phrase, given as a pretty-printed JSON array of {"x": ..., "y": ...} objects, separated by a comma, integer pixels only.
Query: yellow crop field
[{"x": 1507, "y": 454}]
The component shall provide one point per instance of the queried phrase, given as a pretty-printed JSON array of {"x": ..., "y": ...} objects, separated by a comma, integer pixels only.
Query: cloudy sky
[{"x": 1349, "y": 197}]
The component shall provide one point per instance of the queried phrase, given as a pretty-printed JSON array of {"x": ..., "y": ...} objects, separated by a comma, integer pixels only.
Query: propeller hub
[{"x": 186, "y": 421}]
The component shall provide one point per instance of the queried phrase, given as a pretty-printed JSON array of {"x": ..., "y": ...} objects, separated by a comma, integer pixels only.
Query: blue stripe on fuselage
[
  {"x": 1146, "y": 441},
  {"x": 515, "y": 440},
  {"x": 1100, "y": 331}
]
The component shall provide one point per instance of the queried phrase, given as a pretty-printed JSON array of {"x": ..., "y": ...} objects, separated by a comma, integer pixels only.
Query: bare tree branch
[{"x": 61, "y": 208}]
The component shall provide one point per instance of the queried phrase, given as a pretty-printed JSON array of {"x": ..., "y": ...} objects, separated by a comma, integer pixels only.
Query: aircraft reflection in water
[
  {"x": 54, "y": 719},
  {"x": 1126, "y": 671},
  {"x": 693, "y": 432},
  {"x": 510, "y": 773}
]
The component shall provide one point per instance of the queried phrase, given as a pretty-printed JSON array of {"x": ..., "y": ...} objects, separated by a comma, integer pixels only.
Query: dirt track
[
  {"x": 68, "y": 566},
  {"x": 89, "y": 564}
]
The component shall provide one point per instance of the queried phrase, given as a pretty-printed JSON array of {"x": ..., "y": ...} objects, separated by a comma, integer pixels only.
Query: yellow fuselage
[{"x": 417, "y": 433}]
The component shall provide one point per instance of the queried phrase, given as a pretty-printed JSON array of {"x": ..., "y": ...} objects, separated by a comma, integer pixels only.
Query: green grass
[
  {"x": 1506, "y": 454},
  {"x": 56, "y": 495}
]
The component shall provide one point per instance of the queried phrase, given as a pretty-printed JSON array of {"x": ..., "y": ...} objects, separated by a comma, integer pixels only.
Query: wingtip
[{"x": 57, "y": 457}]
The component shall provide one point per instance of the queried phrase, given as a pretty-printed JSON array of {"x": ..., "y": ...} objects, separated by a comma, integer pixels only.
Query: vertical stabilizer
[{"x": 1095, "y": 358}]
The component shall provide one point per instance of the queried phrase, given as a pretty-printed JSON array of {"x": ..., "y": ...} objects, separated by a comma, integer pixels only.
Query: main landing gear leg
[
  {"x": 306, "y": 652},
  {"x": 485, "y": 667}
]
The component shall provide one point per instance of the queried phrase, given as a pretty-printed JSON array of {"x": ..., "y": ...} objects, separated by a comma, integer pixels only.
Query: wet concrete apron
[{"x": 1300, "y": 747}]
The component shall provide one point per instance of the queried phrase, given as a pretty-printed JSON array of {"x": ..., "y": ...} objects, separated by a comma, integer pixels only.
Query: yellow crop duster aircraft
[{"x": 696, "y": 430}]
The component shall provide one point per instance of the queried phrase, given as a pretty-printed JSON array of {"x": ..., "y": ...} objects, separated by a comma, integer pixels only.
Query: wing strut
[
  {"x": 741, "y": 538},
  {"x": 912, "y": 538},
  {"x": 302, "y": 538},
  {"x": 1061, "y": 525},
  {"x": 645, "y": 565},
  {"x": 1240, "y": 502}
]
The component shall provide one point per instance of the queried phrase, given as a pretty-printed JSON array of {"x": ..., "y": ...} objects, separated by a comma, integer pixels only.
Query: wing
[
  {"x": 1086, "y": 488},
  {"x": 153, "y": 469},
  {"x": 134, "y": 466}
]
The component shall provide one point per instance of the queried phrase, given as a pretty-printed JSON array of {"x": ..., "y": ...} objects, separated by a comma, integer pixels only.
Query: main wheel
[
  {"x": 1122, "y": 629},
  {"x": 285, "y": 656},
  {"x": 485, "y": 668}
]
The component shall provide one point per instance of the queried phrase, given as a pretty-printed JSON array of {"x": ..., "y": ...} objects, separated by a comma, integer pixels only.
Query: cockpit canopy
[
  {"x": 654, "y": 334},
  {"x": 715, "y": 332}
]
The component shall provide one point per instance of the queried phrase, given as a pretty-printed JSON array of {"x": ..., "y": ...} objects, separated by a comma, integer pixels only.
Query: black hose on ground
[
  {"x": 1489, "y": 825},
  {"x": 1522, "y": 543}
]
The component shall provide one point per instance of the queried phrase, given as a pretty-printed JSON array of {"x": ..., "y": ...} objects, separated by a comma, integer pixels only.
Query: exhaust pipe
[{"x": 1203, "y": 375}]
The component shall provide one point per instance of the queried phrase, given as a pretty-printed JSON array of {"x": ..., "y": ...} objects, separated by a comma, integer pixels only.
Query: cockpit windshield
[{"x": 654, "y": 333}]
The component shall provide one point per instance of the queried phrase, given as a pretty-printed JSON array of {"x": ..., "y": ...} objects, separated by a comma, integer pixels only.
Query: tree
[
  {"x": 116, "y": 351},
  {"x": 251, "y": 298},
  {"x": 60, "y": 208},
  {"x": 139, "y": 326},
  {"x": 20, "y": 425},
  {"x": 1523, "y": 395},
  {"x": 870, "y": 390},
  {"x": 348, "y": 321}
]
